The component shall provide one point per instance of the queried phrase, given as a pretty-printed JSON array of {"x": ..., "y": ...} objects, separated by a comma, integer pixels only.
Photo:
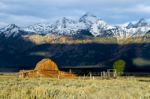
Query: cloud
[
  {"x": 134, "y": 9},
  {"x": 26, "y": 12},
  {"x": 140, "y": 8},
  {"x": 20, "y": 20}
]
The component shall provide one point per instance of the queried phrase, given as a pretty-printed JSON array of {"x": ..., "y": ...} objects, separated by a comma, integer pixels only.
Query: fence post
[
  {"x": 93, "y": 78},
  {"x": 90, "y": 75},
  {"x": 84, "y": 77},
  {"x": 70, "y": 71}
]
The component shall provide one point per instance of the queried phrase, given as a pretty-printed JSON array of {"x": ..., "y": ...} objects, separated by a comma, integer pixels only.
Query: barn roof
[{"x": 46, "y": 64}]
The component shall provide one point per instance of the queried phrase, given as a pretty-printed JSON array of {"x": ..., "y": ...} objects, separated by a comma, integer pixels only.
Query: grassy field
[{"x": 48, "y": 88}]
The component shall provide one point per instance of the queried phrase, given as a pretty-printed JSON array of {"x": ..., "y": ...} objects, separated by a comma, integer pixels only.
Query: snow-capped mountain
[
  {"x": 63, "y": 26},
  {"x": 141, "y": 23},
  {"x": 99, "y": 27},
  {"x": 88, "y": 19},
  {"x": 12, "y": 30},
  {"x": 39, "y": 28},
  {"x": 67, "y": 26},
  {"x": 138, "y": 29},
  {"x": 70, "y": 27}
]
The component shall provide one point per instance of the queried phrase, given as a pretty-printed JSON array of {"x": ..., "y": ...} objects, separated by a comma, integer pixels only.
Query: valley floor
[{"x": 80, "y": 88}]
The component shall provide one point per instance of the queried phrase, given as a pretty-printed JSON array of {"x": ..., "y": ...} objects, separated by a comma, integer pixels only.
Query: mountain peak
[
  {"x": 11, "y": 26},
  {"x": 141, "y": 22},
  {"x": 64, "y": 18},
  {"x": 88, "y": 15},
  {"x": 69, "y": 26},
  {"x": 130, "y": 25},
  {"x": 10, "y": 30},
  {"x": 88, "y": 19}
]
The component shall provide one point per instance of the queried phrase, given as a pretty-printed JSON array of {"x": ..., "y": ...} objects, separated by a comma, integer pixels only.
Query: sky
[{"x": 28, "y": 12}]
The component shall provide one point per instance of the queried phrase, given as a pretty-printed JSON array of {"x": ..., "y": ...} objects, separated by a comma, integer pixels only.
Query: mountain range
[{"x": 69, "y": 27}]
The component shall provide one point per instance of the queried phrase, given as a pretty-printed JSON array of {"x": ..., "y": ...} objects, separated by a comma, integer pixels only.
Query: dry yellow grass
[{"x": 44, "y": 88}]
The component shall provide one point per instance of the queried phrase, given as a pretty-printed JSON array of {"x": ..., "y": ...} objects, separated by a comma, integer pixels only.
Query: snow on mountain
[
  {"x": 96, "y": 26},
  {"x": 141, "y": 23},
  {"x": 62, "y": 26},
  {"x": 67, "y": 26},
  {"x": 99, "y": 27},
  {"x": 125, "y": 31},
  {"x": 130, "y": 25},
  {"x": 39, "y": 28},
  {"x": 10, "y": 30},
  {"x": 88, "y": 19},
  {"x": 122, "y": 32},
  {"x": 88, "y": 22}
]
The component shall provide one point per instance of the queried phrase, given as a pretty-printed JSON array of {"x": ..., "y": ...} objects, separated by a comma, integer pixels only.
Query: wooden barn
[{"x": 46, "y": 68}]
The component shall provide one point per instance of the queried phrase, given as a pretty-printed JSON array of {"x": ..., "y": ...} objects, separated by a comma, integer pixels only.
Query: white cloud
[
  {"x": 19, "y": 20},
  {"x": 31, "y": 11},
  {"x": 141, "y": 8}
]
